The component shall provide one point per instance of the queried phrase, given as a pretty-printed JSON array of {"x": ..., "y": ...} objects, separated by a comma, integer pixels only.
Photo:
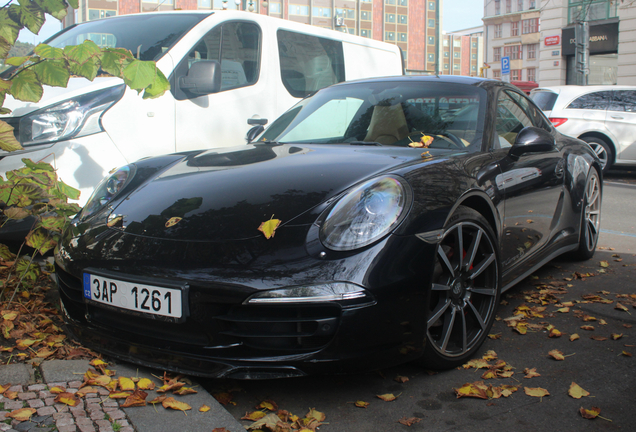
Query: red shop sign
[{"x": 552, "y": 40}]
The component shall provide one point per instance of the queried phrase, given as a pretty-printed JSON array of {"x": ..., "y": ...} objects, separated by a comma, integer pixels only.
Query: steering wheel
[{"x": 452, "y": 139}]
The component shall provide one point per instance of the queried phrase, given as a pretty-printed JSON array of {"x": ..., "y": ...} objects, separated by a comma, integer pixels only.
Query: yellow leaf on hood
[
  {"x": 268, "y": 228},
  {"x": 577, "y": 392}
]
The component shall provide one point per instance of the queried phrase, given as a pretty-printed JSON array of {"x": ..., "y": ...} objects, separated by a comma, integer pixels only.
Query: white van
[{"x": 266, "y": 65}]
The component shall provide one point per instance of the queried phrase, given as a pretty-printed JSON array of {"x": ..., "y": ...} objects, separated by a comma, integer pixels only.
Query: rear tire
[
  {"x": 603, "y": 150},
  {"x": 465, "y": 291},
  {"x": 590, "y": 218}
]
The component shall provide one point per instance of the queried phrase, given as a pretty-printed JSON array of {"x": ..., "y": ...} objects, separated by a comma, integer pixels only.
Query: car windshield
[
  {"x": 544, "y": 99},
  {"x": 415, "y": 114},
  {"x": 147, "y": 36}
]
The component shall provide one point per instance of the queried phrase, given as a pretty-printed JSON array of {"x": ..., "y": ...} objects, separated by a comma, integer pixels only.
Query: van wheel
[{"x": 603, "y": 150}]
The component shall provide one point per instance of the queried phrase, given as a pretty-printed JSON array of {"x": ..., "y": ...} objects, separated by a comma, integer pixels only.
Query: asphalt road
[{"x": 598, "y": 366}]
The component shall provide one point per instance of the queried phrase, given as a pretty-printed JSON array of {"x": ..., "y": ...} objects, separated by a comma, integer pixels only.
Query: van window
[
  {"x": 624, "y": 100},
  {"x": 238, "y": 51},
  {"x": 597, "y": 100},
  {"x": 309, "y": 63}
]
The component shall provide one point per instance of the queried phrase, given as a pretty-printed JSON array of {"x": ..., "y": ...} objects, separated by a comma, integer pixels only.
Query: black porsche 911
[{"x": 374, "y": 223}]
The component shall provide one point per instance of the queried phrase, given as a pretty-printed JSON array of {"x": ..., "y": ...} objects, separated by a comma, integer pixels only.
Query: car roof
[{"x": 456, "y": 79}]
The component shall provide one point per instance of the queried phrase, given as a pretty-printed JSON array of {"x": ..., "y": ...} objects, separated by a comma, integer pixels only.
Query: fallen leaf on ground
[
  {"x": 604, "y": 264},
  {"x": 577, "y": 392},
  {"x": 401, "y": 379},
  {"x": 477, "y": 390},
  {"x": 556, "y": 354},
  {"x": 138, "y": 398},
  {"x": 145, "y": 384},
  {"x": 490, "y": 355},
  {"x": 531, "y": 373},
  {"x": 536, "y": 392},
  {"x": 224, "y": 398},
  {"x": 118, "y": 395},
  {"x": 268, "y": 404},
  {"x": 158, "y": 399},
  {"x": 477, "y": 364},
  {"x": 67, "y": 398},
  {"x": 587, "y": 327},
  {"x": 574, "y": 337},
  {"x": 591, "y": 413},
  {"x": 57, "y": 390},
  {"x": 204, "y": 408},
  {"x": 388, "y": 397},
  {"x": 184, "y": 391},
  {"x": 270, "y": 421},
  {"x": 361, "y": 404},
  {"x": 175, "y": 404},
  {"x": 126, "y": 384},
  {"x": 409, "y": 421},
  {"x": 598, "y": 338},
  {"x": 254, "y": 415},
  {"x": 22, "y": 414},
  {"x": 621, "y": 307}
]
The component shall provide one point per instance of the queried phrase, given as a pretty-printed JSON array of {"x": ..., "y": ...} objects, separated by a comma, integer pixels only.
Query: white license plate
[{"x": 149, "y": 299}]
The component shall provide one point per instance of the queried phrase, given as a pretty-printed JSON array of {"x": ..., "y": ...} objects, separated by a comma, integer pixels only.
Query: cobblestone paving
[{"x": 94, "y": 413}]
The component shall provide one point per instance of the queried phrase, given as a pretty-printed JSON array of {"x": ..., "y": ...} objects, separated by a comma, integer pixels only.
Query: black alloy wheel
[
  {"x": 591, "y": 217},
  {"x": 465, "y": 291}
]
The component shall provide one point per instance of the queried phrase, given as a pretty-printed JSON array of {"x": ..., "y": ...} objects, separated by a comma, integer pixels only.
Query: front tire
[
  {"x": 603, "y": 150},
  {"x": 465, "y": 291},
  {"x": 591, "y": 217}
]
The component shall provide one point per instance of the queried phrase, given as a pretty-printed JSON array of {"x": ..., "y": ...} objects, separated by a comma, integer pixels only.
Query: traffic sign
[{"x": 505, "y": 65}]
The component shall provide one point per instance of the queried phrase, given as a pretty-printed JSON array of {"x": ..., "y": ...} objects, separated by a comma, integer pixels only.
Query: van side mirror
[
  {"x": 532, "y": 140},
  {"x": 204, "y": 77},
  {"x": 253, "y": 133}
]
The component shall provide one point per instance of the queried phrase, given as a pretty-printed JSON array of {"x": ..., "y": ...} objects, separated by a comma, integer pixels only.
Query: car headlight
[
  {"x": 365, "y": 214},
  {"x": 75, "y": 117},
  {"x": 108, "y": 189}
]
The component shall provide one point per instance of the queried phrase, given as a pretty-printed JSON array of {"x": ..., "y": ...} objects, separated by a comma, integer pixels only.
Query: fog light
[{"x": 329, "y": 292}]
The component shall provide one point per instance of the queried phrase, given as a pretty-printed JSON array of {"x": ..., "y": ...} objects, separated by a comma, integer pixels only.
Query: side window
[
  {"x": 597, "y": 100},
  {"x": 510, "y": 120},
  {"x": 535, "y": 114},
  {"x": 309, "y": 63},
  {"x": 623, "y": 100},
  {"x": 237, "y": 46}
]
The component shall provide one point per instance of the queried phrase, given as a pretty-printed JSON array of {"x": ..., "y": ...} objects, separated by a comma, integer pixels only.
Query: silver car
[{"x": 603, "y": 116}]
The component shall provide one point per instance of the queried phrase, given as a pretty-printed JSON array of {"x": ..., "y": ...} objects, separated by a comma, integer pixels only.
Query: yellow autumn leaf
[
  {"x": 22, "y": 414},
  {"x": 204, "y": 408},
  {"x": 577, "y": 392},
  {"x": 490, "y": 355},
  {"x": 574, "y": 337},
  {"x": 557, "y": 355},
  {"x": 145, "y": 384},
  {"x": 604, "y": 264},
  {"x": 173, "y": 221},
  {"x": 362, "y": 404},
  {"x": 67, "y": 398},
  {"x": 531, "y": 373},
  {"x": 254, "y": 415},
  {"x": 57, "y": 390},
  {"x": 118, "y": 395},
  {"x": 136, "y": 399},
  {"x": 616, "y": 336},
  {"x": 564, "y": 310},
  {"x": 388, "y": 397},
  {"x": 477, "y": 364},
  {"x": 268, "y": 228},
  {"x": 536, "y": 391},
  {"x": 184, "y": 391},
  {"x": 314, "y": 414},
  {"x": 268, "y": 404},
  {"x": 590, "y": 413},
  {"x": 554, "y": 333},
  {"x": 175, "y": 404},
  {"x": 126, "y": 384},
  {"x": 621, "y": 307},
  {"x": 477, "y": 390},
  {"x": 9, "y": 315}
]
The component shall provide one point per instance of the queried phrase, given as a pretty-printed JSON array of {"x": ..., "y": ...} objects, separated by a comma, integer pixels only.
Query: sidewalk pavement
[{"x": 98, "y": 413}]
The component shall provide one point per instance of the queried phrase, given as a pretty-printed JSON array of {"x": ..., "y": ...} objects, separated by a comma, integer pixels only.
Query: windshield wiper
[{"x": 365, "y": 143}]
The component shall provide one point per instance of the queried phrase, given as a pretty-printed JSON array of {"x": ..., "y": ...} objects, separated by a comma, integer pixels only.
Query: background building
[
  {"x": 413, "y": 25},
  {"x": 511, "y": 29},
  {"x": 463, "y": 52}
]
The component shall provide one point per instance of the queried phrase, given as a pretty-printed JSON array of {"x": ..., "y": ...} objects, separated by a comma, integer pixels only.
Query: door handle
[{"x": 617, "y": 117}]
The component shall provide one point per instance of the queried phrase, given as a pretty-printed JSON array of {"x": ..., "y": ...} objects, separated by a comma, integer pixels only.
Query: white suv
[{"x": 603, "y": 116}]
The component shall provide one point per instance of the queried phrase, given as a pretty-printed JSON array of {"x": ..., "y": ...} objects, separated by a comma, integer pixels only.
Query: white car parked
[{"x": 603, "y": 116}]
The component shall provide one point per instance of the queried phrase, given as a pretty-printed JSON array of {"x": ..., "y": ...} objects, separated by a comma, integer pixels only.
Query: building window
[
  {"x": 519, "y": 5},
  {"x": 446, "y": 54},
  {"x": 390, "y": 18},
  {"x": 365, "y": 15},
  {"x": 366, "y": 1},
  {"x": 514, "y": 28},
  {"x": 456, "y": 54},
  {"x": 532, "y": 4},
  {"x": 497, "y": 7},
  {"x": 531, "y": 25},
  {"x": 431, "y": 23},
  {"x": 457, "y": 43},
  {"x": 474, "y": 44},
  {"x": 474, "y": 56},
  {"x": 402, "y": 37},
  {"x": 508, "y": 6},
  {"x": 532, "y": 51},
  {"x": 591, "y": 10},
  {"x": 403, "y": 19},
  {"x": 275, "y": 8},
  {"x": 431, "y": 57},
  {"x": 431, "y": 5},
  {"x": 515, "y": 74},
  {"x": 532, "y": 74},
  {"x": 498, "y": 30},
  {"x": 204, "y": 4},
  {"x": 298, "y": 10},
  {"x": 446, "y": 66},
  {"x": 496, "y": 74},
  {"x": 389, "y": 36},
  {"x": 94, "y": 14},
  {"x": 445, "y": 43},
  {"x": 456, "y": 66},
  {"x": 321, "y": 12},
  {"x": 431, "y": 40},
  {"x": 346, "y": 13},
  {"x": 515, "y": 52},
  {"x": 496, "y": 54},
  {"x": 389, "y": 2},
  {"x": 365, "y": 33},
  {"x": 474, "y": 67},
  {"x": 403, "y": 2}
]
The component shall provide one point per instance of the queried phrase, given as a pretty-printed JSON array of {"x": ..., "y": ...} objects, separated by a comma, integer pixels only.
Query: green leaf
[
  {"x": 30, "y": 270},
  {"x": 68, "y": 191},
  {"x": 44, "y": 166},
  {"x": 158, "y": 88},
  {"x": 87, "y": 70},
  {"x": 83, "y": 52},
  {"x": 5, "y": 253},
  {"x": 140, "y": 74},
  {"x": 27, "y": 14},
  {"x": 26, "y": 86},
  {"x": 25, "y": 194},
  {"x": 74, "y": 3},
  {"x": 5, "y": 84},
  {"x": 5, "y": 47},
  {"x": 56, "y": 8},
  {"x": 47, "y": 51},
  {"x": 17, "y": 61},
  {"x": 3, "y": 110},
  {"x": 7, "y": 138},
  {"x": 53, "y": 223},
  {"x": 114, "y": 60},
  {"x": 9, "y": 29},
  {"x": 52, "y": 72},
  {"x": 64, "y": 209}
]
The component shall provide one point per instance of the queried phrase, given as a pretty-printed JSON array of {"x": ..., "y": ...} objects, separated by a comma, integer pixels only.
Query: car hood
[{"x": 227, "y": 194}]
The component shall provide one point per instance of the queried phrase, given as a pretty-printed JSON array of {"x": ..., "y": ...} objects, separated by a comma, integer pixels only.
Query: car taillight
[{"x": 556, "y": 122}]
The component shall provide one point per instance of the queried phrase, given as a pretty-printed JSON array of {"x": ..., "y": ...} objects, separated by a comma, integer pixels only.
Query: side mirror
[
  {"x": 204, "y": 77},
  {"x": 532, "y": 140},
  {"x": 253, "y": 133}
]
